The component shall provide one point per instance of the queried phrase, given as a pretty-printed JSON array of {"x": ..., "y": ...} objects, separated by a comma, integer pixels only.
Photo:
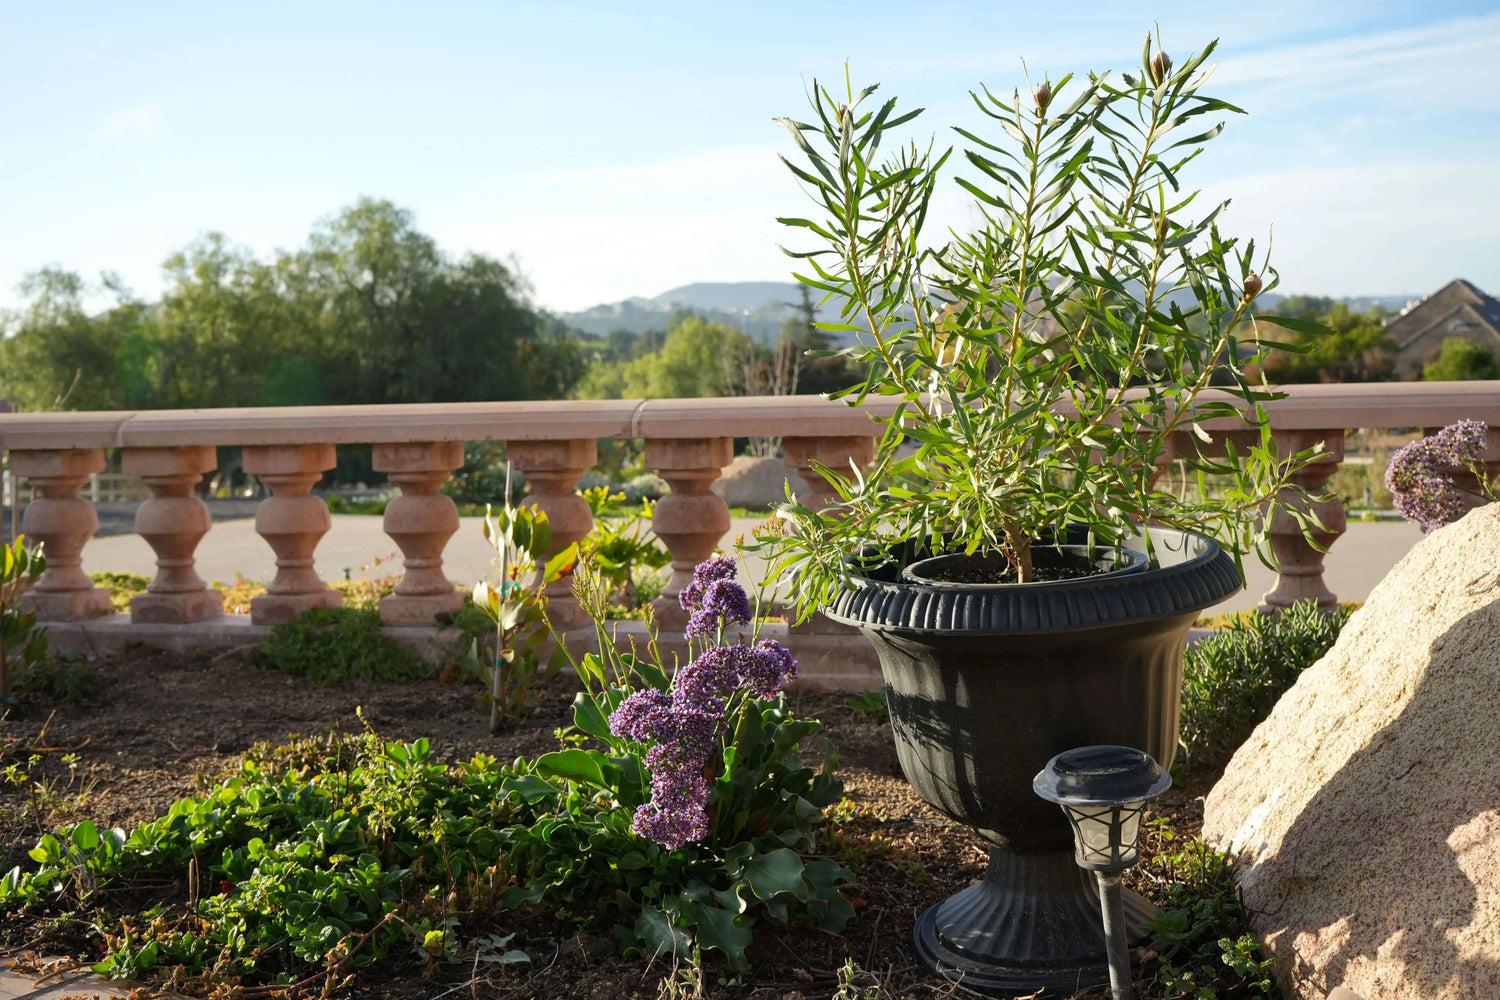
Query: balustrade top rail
[{"x": 1306, "y": 407}]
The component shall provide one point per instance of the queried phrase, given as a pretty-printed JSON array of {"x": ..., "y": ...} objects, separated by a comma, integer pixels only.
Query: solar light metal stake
[{"x": 1103, "y": 790}]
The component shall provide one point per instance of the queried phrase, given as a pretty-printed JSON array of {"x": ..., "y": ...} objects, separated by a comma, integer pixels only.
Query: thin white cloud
[
  {"x": 1429, "y": 71},
  {"x": 140, "y": 121},
  {"x": 1379, "y": 228}
]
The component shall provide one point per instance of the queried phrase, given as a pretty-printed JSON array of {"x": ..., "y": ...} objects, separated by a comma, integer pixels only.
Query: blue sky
[{"x": 623, "y": 149}]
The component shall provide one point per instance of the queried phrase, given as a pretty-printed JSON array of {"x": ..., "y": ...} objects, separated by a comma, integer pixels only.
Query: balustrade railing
[{"x": 687, "y": 442}]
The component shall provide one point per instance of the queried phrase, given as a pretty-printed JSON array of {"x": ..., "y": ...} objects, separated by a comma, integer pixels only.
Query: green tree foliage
[
  {"x": 369, "y": 311},
  {"x": 1355, "y": 348},
  {"x": 1461, "y": 359},
  {"x": 697, "y": 358}
]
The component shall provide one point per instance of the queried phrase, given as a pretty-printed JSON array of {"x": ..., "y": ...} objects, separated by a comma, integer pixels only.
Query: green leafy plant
[
  {"x": 1206, "y": 953},
  {"x": 1043, "y": 365},
  {"x": 517, "y": 605},
  {"x": 22, "y": 642},
  {"x": 314, "y": 859},
  {"x": 872, "y": 705},
  {"x": 327, "y": 645},
  {"x": 1232, "y": 679},
  {"x": 627, "y": 554},
  {"x": 122, "y": 587}
]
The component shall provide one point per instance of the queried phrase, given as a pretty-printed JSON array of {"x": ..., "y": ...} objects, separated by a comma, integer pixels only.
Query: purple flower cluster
[
  {"x": 1418, "y": 476},
  {"x": 714, "y": 599},
  {"x": 683, "y": 727}
]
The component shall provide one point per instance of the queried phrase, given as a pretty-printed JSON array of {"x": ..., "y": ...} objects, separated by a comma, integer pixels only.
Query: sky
[{"x": 621, "y": 149}]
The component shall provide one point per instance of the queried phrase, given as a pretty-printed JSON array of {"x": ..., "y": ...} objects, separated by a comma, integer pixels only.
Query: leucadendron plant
[{"x": 1042, "y": 365}]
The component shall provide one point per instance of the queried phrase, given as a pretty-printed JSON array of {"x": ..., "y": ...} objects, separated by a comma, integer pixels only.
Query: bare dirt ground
[{"x": 158, "y": 726}]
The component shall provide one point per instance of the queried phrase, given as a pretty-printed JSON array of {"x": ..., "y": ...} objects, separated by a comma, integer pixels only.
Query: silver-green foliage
[
  {"x": 1232, "y": 680},
  {"x": 1043, "y": 364}
]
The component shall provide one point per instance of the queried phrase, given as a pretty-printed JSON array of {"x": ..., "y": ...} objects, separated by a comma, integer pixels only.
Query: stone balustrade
[{"x": 687, "y": 442}]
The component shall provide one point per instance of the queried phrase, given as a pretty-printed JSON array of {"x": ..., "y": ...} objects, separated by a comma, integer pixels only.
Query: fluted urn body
[{"x": 985, "y": 683}]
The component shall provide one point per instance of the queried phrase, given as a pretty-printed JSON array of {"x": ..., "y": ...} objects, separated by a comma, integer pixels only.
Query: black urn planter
[{"x": 985, "y": 683}]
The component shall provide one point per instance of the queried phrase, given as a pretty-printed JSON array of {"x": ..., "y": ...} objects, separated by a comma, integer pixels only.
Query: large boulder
[
  {"x": 756, "y": 483},
  {"x": 1365, "y": 811}
]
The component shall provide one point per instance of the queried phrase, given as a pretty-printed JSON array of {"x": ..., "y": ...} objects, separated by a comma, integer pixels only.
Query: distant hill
[
  {"x": 756, "y": 307},
  {"x": 759, "y": 307}
]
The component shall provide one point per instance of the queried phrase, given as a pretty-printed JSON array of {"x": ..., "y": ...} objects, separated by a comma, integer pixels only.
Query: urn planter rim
[{"x": 1202, "y": 575}]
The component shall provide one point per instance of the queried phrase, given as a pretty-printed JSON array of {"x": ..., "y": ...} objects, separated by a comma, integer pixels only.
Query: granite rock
[
  {"x": 756, "y": 483},
  {"x": 1365, "y": 810}
]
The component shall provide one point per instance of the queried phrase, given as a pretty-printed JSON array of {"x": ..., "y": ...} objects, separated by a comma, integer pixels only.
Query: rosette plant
[
  {"x": 1041, "y": 366},
  {"x": 1011, "y": 554}
]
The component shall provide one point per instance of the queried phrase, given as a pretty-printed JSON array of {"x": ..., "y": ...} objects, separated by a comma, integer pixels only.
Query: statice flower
[
  {"x": 684, "y": 726},
  {"x": 772, "y": 668},
  {"x": 705, "y": 573},
  {"x": 676, "y": 814},
  {"x": 1418, "y": 476},
  {"x": 633, "y": 719},
  {"x": 722, "y": 602}
]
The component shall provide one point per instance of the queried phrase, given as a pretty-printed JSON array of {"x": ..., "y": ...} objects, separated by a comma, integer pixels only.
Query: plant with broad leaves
[
  {"x": 694, "y": 810},
  {"x": 22, "y": 642},
  {"x": 624, "y": 548},
  {"x": 1044, "y": 366},
  {"x": 517, "y": 604}
]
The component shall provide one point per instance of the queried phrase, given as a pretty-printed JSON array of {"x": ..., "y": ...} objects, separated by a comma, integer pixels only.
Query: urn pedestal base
[{"x": 1033, "y": 924}]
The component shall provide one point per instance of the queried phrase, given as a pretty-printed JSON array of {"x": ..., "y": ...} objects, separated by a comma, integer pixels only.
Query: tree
[
  {"x": 800, "y": 334},
  {"x": 55, "y": 356},
  {"x": 370, "y": 311},
  {"x": 1461, "y": 359},
  {"x": 697, "y": 358},
  {"x": 1355, "y": 348}
]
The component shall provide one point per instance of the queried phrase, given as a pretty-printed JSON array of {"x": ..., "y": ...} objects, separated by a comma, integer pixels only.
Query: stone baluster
[
  {"x": 836, "y": 454},
  {"x": 62, "y": 522},
  {"x": 1299, "y": 562},
  {"x": 691, "y": 519},
  {"x": 420, "y": 521},
  {"x": 553, "y": 469},
  {"x": 173, "y": 522},
  {"x": 292, "y": 522}
]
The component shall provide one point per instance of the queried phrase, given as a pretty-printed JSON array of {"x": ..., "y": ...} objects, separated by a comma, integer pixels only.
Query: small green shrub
[
  {"x": 339, "y": 505},
  {"x": 70, "y": 678},
  {"x": 1206, "y": 953},
  {"x": 1231, "y": 680},
  {"x": 326, "y": 645},
  {"x": 626, "y": 553},
  {"x": 872, "y": 705},
  {"x": 122, "y": 587},
  {"x": 23, "y": 643}
]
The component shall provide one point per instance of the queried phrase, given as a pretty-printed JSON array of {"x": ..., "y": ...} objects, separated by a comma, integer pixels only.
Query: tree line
[
  {"x": 369, "y": 310},
  {"x": 1355, "y": 348}
]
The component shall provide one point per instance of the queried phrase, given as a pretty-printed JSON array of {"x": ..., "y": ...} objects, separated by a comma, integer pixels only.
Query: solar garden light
[{"x": 1103, "y": 791}]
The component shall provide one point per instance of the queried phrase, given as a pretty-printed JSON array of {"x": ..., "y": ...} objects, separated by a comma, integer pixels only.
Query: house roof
[{"x": 1457, "y": 301}]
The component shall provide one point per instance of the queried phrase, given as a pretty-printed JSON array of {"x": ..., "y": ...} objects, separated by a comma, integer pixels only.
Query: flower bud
[
  {"x": 1252, "y": 286},
  {"x": 1160, "y": 67},
  {"x": 1043, "y": 95}
]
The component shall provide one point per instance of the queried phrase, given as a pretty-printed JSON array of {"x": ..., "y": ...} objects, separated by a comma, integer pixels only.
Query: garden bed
[{"x": 153, "y": 727}]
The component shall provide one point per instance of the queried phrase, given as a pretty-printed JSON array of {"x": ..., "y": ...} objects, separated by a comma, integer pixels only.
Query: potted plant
[{"x": 1026, "y": 582}]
